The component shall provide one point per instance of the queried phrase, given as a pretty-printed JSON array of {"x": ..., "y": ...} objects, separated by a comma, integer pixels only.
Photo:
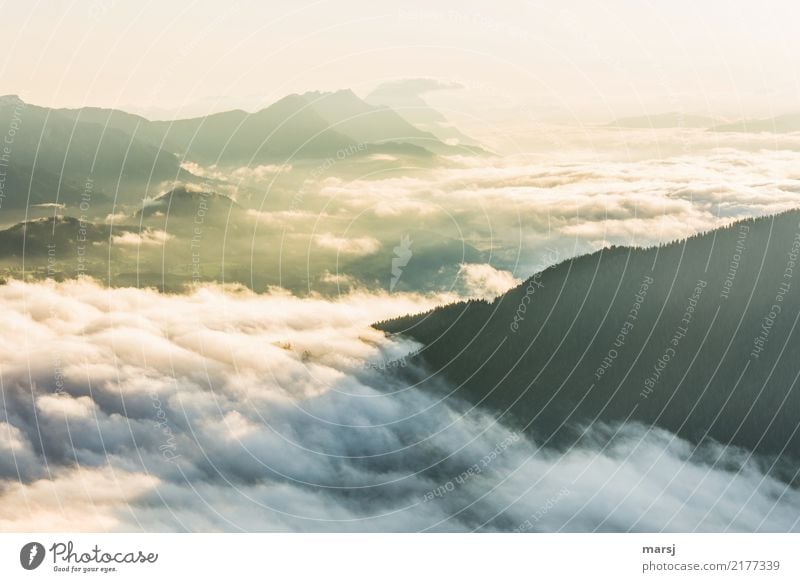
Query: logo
[
  {"x": 31, "y": 555},
  {"x": 402, "y": 254}
]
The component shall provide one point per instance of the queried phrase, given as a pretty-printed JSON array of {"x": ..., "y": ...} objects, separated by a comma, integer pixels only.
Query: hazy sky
[{"x": 585, "y": 59}]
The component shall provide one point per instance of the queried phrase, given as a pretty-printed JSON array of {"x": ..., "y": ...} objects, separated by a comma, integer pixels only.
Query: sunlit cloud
[
  {"x": 359, "y": 246},
  {"x": 153, "y": 238},
  {"x": 227, "y": 410},
  {"x": 483, "y": 280}
]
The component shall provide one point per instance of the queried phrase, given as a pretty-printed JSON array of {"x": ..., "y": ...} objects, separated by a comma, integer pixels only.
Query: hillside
[
  {"x": 53, "y": 147},
  {"x": 697, "y": 337},
  {"x": 23, "y": 188},
  {"x": 183, "y": 203},
  {"x": 313, "y": 125},
  {"x": 671, "y": 119},
  {"x": 378, "y": 124},
  {"x": 786, "y": 123},
  {"x": 405, "y": 98}
]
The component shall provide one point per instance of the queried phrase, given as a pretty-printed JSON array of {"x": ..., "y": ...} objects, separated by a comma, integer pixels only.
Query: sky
[
  {"x": 227, "y": 409},
  {"x": 571, "y": 60}
]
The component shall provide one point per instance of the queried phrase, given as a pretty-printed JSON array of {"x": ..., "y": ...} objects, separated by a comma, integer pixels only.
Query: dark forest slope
[{"x": 699, "y": 337}]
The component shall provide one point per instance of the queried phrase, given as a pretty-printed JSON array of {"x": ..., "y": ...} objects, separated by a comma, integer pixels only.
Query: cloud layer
[
  {"x": 598, "y": 187},
  {"x": 126, "y": 409}
]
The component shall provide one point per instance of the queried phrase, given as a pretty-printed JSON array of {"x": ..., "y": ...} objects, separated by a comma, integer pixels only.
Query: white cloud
[
  {"x": 116, "y": 217},
  {"x": 227, "y": 410},
  {"x": 483, "y": 280},
  {"x": 74, "y": 500},
  {"x": 150, "y": 238},
  {"x": 261, "y": 172},
  {"x": 579, "y": 199},
  {"x": 359, "y": 246},
  {"x": 65, "y": 406},
  {"x": 339, "y": 279},
  {"x": 605, "y": 186}
]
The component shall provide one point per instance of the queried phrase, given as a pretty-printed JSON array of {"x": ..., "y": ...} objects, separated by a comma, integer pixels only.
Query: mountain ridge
[
  {"x": 544, "y": 353},
  {"x": 785, "y": 123},
  {"x": 315, "y": 124}
]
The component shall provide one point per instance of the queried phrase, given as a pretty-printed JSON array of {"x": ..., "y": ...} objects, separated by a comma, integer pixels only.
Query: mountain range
[
  {"x": 405, "y": 97},
  {"x": 312, "y": 125},
  {"x": 126, "y": 157},
  {"x": 785, "y": 123},
  {"x": 698, "y": 337},
  {"x": 672, "y": 119},
  {"x": 54, "y": 158}
]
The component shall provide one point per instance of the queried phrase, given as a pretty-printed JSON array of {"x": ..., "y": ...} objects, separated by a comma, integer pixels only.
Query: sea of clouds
[
  {"x": 589, "y": 188},
  {"x": 221, "y": 409}
]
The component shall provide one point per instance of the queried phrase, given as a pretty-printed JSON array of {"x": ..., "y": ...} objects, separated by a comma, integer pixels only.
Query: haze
[{"x": 576, "y": 61}]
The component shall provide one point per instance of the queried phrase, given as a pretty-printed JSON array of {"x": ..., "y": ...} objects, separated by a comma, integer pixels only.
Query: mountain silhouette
[
  {"x": 69, "y": 156},
  {"x": 671, "y": 119},
  {"x": 205, "y": 207},
  {"x": 313, "y": 125},
  {"x": 24, "y": 187},
  {"x": 47, "y": 144},
  {"x": 405, "y": 97},
  {"x": 786, "y": 123},
  {"x": 377, "y": 124},
  {"x": 697, "y": 336},
  {"x": 287, "y": 128}
]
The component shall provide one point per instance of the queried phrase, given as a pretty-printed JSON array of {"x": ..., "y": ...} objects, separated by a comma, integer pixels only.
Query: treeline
[{"x": 698, "y": 336}]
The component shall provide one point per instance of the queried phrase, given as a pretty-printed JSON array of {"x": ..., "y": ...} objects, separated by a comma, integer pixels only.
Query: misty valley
[{"x": 343, "y": 313}]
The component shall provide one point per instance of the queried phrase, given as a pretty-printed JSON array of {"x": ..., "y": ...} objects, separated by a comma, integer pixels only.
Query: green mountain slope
[
  {"x": 666, "y": 120},
  {"x": 77, "y": 151},
  {"x": 313, "y": 125},
  {"x": 781, "y": 124},
  {"x": 699, "y": 337}
]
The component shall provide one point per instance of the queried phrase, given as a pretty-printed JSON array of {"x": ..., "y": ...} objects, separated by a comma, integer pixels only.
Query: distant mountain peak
[
  {"x": 336, "y": 93},
  {"x": 784, "y": 123},
  {"x": 11, "y": 100},
  {"x": 182, "y": 191},
  {"x": 616, "y": 335},
  {"x": 670, "y": 119}
]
